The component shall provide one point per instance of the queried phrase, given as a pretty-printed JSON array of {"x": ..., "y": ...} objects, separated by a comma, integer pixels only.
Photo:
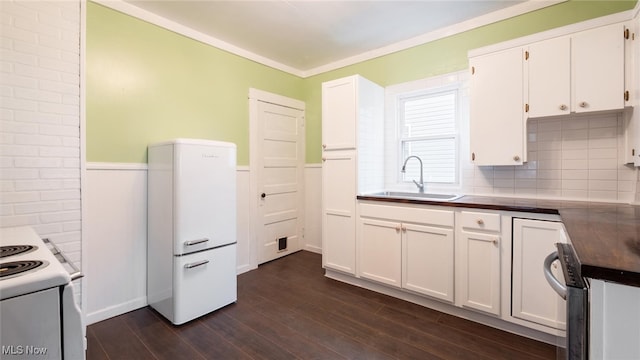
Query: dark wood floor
[{"x": 287, "y": 309}]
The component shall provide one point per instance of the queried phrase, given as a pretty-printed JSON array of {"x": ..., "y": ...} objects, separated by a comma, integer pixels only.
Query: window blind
[{"x": 428, "y": 129}]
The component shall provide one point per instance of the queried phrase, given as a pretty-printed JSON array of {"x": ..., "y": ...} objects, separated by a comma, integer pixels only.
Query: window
[{"x": 428, "y": 128}]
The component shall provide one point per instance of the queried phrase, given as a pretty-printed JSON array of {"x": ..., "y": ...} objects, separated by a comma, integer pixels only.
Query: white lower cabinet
[
  {"x": 408, "y": 248},
  {"x": 380, "y": 251},
  {"x": 478, "y": 241},
  {"x": 427, "y": 261},
  {"x": 485, "y": 264},
  {"x": 339, "y": 211},
  {"x": 532, "y": 298}
]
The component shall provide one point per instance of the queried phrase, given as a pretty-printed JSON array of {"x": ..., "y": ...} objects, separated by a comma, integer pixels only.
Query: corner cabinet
[
  {"x": 478, "y": 241},
  {"x": 496, "y": 108},
  {"x": 533, "y": 300},
  {"x": 352, "y": 111}
]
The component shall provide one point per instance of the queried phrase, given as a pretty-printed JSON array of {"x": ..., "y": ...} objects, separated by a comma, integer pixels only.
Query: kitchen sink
[{"x": 416, "y": 196}]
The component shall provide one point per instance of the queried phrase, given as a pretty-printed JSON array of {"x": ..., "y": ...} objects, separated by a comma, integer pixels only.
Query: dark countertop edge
[
  {"x": 623, "y": 277},
  {"x": 461, "y": 203},
  {"x": 620, "y": 276}
]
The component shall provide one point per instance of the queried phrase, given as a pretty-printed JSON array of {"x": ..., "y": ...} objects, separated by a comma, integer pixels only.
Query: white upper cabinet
[
  {"x": 583, "y": 72},
  {"x": 339, "y": 114},
  {"x": 576, "y": 73},
  {"x": 548, "y": 64},
  {"x": 497, "y": 108},
  {"x": 598, "y": 69}
]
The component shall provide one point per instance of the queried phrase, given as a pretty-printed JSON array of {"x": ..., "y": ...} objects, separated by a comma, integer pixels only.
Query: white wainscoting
[
  {"x": 312, "y": 208},
  {"x": 116, "y": 238},
  {"x": 116, "y": 233}
]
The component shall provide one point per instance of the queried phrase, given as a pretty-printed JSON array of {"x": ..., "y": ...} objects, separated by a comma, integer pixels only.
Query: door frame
[{"x": 256, "y": 96}]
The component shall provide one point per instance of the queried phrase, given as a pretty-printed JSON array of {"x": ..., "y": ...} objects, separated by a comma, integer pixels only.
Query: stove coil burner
[
  {"x": 11, "y": 250},
  {"x": 14, "y": 268}
]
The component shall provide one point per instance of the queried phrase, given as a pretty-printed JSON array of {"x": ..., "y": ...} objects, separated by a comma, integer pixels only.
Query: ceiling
[{"x": 304, "y": 35}]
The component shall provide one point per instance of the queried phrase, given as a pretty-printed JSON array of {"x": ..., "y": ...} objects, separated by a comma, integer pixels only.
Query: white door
[{"x": 280, "y": 179}]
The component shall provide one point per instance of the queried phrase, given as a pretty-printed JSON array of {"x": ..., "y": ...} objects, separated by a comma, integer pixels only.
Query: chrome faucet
[{"x": 420, "y": 184}]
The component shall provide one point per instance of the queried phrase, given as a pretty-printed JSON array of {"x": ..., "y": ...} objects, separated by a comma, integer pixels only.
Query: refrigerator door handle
[
  {"x": 196, "y": 264},
  {"x": 195, "y": 242}
]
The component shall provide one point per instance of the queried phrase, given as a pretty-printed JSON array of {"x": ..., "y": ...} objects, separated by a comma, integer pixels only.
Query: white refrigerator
[{"x": 191, "y": 241}]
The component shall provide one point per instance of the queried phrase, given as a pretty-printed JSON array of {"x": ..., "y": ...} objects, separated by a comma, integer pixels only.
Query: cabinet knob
[
  {"x": 324, "y": 146},
  {"x": 495, "y": 241},
  {"x": 516, "y": 158},
  {"x": 324, "y": 159},
  {"x": 398, "y": 228},
  {"x": 480, "y": 222},
  {"x": 583, "y": 104},
  {"x": 404, "y": 228},
  {"x": 563, "y": 107}
]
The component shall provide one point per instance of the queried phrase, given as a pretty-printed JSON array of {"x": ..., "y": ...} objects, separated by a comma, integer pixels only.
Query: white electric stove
[{"x": 40, "y": 318}]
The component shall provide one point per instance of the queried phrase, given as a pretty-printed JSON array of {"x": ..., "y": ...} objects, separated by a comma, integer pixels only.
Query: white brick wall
[{"x": 40, "y": 119}]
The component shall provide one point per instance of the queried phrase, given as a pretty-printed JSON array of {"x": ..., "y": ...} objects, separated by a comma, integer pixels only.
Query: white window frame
[{"x": 393, "y": 134}]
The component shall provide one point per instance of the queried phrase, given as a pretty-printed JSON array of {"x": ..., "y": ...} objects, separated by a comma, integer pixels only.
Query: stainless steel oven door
[{"x": 576, "y": 295}]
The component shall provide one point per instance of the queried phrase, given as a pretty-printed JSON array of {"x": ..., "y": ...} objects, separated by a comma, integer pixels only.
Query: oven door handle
[{"x": 555, "y": 284}]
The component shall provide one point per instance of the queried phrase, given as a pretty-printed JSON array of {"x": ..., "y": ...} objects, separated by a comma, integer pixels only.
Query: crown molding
[
  {"x": 490, "y": 18},
  {"x": 493, "y": 17},
  {"x": 180, "y": 29}
]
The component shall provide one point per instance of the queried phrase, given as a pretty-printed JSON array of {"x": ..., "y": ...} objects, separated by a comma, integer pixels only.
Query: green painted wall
[
  {"x": 448, "y": 55},
  {"x": 146, "y": 84}
]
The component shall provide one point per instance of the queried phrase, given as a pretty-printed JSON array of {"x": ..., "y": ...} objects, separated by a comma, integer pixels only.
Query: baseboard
[
  {"x": 313, "y": 249},
  {"x": 244, "y": 268},
  {"x": 115, "y": 310}
]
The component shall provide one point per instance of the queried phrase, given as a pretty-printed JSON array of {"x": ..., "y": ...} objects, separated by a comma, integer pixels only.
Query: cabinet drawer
[
  {"x": 408, "y": 214},
  {"x": 480, "y": 221}
]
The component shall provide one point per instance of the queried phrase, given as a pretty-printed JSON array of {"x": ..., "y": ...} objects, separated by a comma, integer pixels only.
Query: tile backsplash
[
  {"x": 572, "y": 157},
  {"x": 576, "y": 157}
]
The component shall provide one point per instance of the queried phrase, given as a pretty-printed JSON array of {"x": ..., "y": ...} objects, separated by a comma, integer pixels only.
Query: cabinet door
[
  {"x": 496, "y": 108},
  {"x": 532, "y": 298},
  {"x": 598, "y": 69},
  {"x": 338, "y": 211},
  {"x": 380, "y": 251},
  {"x": 549, "y": 75},
  {"x": 339, "y": 111},
  {"x": 480, "y": 271},
  {"x": 427, "y": 260}
]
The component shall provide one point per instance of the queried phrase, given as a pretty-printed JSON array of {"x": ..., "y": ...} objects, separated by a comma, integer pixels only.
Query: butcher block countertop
[{"x": 605, "y": 236}]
